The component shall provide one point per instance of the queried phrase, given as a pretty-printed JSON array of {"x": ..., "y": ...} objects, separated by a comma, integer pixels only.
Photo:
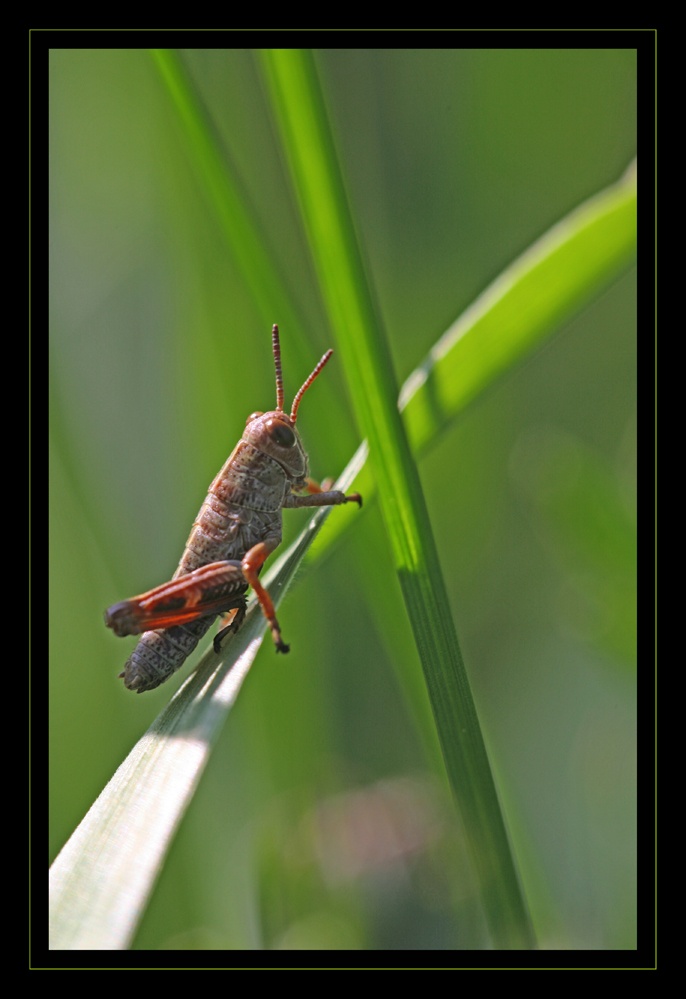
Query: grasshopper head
[{"x": 275, "y": 432}]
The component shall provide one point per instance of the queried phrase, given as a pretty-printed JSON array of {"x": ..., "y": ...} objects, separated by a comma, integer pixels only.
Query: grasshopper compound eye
[{"x": 280, "y": 433}]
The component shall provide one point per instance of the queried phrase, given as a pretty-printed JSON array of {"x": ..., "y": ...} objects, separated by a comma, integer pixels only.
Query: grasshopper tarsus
[{"x": 237, "y": 528}]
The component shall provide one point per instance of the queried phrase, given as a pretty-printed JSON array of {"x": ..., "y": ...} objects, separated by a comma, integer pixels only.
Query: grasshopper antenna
[
  {"x": 276, "y": 351},
  {"x": 307, "y": 383}
]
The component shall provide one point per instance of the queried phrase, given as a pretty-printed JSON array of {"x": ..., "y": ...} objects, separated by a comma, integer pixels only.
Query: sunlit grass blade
[
  {"x": 527, "y": 304},
  {"x": 542, "y": 289},
  {"x": 101, "y": 880},
  {"x": 304, "y": 128}
]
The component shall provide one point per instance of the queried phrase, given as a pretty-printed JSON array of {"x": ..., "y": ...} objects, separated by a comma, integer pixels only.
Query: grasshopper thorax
[{"x": 275, "y": 433}]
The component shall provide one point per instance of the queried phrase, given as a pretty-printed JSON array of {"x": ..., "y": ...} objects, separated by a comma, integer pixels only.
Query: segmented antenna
[
  {"x": 276, "y": 350},
  {"x": 306, "y": 385}
]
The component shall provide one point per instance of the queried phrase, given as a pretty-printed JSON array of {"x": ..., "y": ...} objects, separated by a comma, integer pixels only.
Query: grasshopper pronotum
[{"x": 237, "y": 528}]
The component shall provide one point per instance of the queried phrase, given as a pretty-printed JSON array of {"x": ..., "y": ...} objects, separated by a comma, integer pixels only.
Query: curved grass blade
[
  {"x": 306, "y": 137},
  {"x": 522, "y": 309},
  {"x": 102, "y": 878}
]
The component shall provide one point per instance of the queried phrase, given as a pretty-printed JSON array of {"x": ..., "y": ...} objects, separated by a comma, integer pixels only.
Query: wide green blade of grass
[
  {"x": 101, "y": 880},
  {"x": 349, "y": 297},
  {"x": 540, "y": 291}
]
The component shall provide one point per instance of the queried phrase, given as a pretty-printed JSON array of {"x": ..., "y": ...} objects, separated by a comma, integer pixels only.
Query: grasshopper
[{"x": 237, "y": 528}]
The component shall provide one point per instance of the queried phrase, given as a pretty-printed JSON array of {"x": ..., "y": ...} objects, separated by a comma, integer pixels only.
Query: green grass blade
[
  {"x": 225, "y": 193},
  {"x": 218, "y": 179},
  {"x": 101, "y": 880},
  {"x": 527, "y": 304},
  {"x": 303, "y": 124},
  {"x": 552, "y": 280}
]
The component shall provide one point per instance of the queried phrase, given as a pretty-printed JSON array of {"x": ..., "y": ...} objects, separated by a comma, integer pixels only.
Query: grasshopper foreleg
[
  {"x": 316, "y": 496},
  {"x": 259, "y": 553}
]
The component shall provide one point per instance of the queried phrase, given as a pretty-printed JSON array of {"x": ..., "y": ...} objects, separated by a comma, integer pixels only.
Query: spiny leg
[{"x": 317, "y": 496}]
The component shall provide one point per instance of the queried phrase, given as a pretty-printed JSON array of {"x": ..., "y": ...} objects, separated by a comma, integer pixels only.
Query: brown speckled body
[
  {"x": 224, "y": 529},
  {"x": 237, "y": 528}
]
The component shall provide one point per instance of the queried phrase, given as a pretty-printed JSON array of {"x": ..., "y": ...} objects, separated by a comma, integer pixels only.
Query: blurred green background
[{"x": 322, "y": 820}]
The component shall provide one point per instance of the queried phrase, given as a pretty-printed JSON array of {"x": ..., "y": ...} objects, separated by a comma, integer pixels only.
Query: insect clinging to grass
[{"x": 237, "y": 528}]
